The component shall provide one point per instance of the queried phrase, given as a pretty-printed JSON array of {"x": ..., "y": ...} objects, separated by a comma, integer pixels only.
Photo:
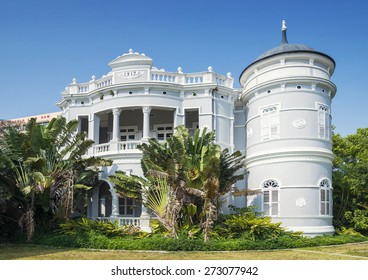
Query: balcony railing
[
  {"x": 116, "y": 147},
  {"x": 154, "y": 75},
  {"x": 128, "y": 145},
  {"x": 122, "y": 221},
  {"x": 101, "y": 148}
]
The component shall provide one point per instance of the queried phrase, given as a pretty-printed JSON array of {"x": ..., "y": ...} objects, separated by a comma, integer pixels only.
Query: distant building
[{"x": 21, "y": 122}]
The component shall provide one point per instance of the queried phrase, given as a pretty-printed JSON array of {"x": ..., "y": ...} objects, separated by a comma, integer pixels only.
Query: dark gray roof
[{"x": 285, "y": 48}]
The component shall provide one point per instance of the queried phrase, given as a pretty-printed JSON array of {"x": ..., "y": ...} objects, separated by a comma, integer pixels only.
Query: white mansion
[{"x": 280, "y": 119}]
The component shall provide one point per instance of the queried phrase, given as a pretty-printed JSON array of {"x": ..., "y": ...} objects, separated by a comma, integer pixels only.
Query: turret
[{"x": 287, "y": 94}]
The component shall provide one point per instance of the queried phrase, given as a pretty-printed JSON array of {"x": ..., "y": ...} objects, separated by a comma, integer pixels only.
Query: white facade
[{"x": 280, "y": 119}]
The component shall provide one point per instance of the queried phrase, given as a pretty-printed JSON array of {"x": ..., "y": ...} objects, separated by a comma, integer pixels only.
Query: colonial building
[{"x": 280, "y": 119}]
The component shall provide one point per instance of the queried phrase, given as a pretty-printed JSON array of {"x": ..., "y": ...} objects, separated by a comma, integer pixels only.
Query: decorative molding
[
  {"x": 321, "y": 156},
  {"x": 299, "y": 123},
  {"x": 116, "y": 111},
  {"x": 250, "y": 93},
  {"x": 288, "y": 139},
  {"x": 301, "y": 202},
  {"x": 130, "y": 75},
  {"x": 146, "y": 109}
]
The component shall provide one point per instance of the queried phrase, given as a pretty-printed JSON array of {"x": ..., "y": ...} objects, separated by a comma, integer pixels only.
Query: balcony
[
  {"x": 116, "y": 147},
  {"x": 122, "y": 221},
  {"x": 154, "y": 76}
]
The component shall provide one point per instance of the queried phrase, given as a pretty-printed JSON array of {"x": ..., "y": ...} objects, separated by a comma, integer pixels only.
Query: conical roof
[{"x": 284, "y": 48}]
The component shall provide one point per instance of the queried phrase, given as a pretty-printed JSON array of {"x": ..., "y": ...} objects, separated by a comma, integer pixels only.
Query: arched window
[
  {"x": 325, "y": 196},
  {"x": 270, "y": 190}
]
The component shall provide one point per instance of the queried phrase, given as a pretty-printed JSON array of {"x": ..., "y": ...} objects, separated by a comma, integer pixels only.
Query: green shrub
[
  {"x": 348, "y": 231},
  {"x": 358, "y": 220},
  {"x": 244, "y": 223},
  {"x": 93, "y": 239},
  {"x": 107, "y": 228}
]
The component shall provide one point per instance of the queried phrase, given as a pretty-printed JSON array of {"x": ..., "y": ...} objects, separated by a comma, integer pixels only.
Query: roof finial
[
  {"x": 283, "y": 25},
  {"x": 283, "y": 29}
]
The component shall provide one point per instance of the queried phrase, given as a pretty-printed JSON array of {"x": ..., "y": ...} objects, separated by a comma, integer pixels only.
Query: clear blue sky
[{"x": 44, "y": 44}]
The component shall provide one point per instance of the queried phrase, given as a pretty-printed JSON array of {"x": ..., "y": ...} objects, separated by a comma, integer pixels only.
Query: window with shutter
[
  {"x": 270, "y": 190},
  {"x": 325, "y": 197},
  {"x": 270, "y": 122},
  {"x": 324, "y": 123}
]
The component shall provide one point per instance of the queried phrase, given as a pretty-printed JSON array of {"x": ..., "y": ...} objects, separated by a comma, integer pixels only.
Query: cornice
[{"x": 290, "y": 155}]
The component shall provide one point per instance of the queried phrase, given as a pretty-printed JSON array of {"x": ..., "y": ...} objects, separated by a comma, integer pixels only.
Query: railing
[
  {"x": 82, "y": 88},
  {"x": 101, "y": 148},
  {"x": 119, "y": 147},
  {"x": 163, "y": 76},
  {"x": 193, "y": 78},
  {"x": 220, "y": 80},
  {"x": 155, "y": 76},
  {"x": 122, "y": 221},
  {"x": 125, "y": 221},
  {"x": 128, "y": 145},
  {"x": 104, "y": 82}
]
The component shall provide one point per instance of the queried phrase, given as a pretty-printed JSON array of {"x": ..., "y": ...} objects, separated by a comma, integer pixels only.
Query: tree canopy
[{"x": 350, "y": 177}]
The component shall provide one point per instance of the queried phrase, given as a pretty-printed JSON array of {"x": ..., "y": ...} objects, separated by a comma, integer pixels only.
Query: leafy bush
[
  {"x": 358, "y": 220},
  {"x": 155, "y": 242},
  {"x": 348, "y": 231},
  {"x": 244, "y": 223},
  {"x": 106, "y": 228}
]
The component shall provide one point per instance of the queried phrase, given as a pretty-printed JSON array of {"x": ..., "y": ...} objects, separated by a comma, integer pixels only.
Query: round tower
[{"x": 287, "y": 94}]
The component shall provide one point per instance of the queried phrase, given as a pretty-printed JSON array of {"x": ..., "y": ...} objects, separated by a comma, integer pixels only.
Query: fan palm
[{"x": 194, "y": 167}]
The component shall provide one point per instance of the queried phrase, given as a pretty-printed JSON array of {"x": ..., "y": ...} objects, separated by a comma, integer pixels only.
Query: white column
[
  {"x": 103, "y": 206},
  {"x": 179, "y": 118},
  {"x": 115, "y": 204},
  {"x": 146, "y": 122},
  {"x": 145, "y": 217},
  {"x": 116, "y": 124},
  {"x": 94, "y": 130},
  {"x": 232, "y": 145}
]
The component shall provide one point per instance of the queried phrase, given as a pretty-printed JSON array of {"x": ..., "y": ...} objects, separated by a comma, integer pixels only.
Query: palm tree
[
  {"x": 192, "y": 167},
  {"x": 44, "y": 166}
]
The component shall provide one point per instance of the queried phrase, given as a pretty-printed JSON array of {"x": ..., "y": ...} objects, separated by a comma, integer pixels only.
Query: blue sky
[{"x": 45, "y": 43}]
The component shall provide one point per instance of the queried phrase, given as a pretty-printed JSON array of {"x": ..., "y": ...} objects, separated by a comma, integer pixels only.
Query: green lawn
[{"x": 358, "y": 251}]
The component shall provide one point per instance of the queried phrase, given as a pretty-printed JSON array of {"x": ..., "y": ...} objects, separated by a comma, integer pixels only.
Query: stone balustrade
[
  {"x": 128, "y": 145},
  {"x": 101, "y": 148},
  {"x": 122, "y": 221},
  {"x": 123, "y": 146},
  {"x": 155, "y": 75}
]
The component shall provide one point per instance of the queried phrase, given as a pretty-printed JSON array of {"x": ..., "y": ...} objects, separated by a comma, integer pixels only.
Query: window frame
[
  {"x": 324, "y": 121},
  {"x": 270, "y": 121},
  {"x": 270, "y": 189},
  {"x": 128, "y": 132},
  {"x": 163, "y": 129},
  {"x": 325, "y": 204},
  {"x": 123, "y": 202}
]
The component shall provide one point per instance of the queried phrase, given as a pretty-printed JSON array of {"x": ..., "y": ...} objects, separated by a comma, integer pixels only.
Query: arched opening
[{"x": 104, "y": 200}]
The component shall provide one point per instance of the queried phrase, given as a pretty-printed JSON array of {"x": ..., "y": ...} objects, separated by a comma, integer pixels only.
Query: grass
[{"x": 356, "y": 251}]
